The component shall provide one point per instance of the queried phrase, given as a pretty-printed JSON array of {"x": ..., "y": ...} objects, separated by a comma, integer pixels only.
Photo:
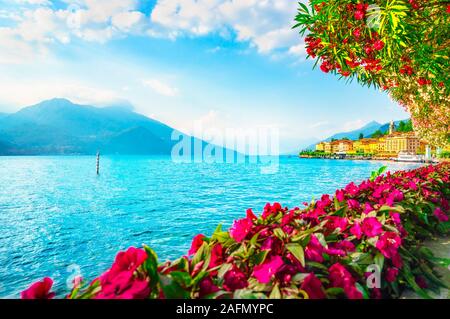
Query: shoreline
[{"x": 369, "y": 158}]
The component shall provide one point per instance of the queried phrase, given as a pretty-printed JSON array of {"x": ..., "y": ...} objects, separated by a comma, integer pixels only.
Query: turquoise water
[{"x": 57, "y": 218}]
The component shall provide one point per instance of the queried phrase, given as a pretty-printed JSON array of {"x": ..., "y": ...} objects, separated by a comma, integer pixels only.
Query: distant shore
[{"x": 366, "y": 158}]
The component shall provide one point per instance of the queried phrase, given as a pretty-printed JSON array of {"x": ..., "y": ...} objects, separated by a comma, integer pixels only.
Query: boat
[{"x": 409, "y": 157}]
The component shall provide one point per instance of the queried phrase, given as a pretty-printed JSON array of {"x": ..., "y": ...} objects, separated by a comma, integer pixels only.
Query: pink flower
[
  {"x": 324, "y": 202},
  {"x": 216, "y": 256},
  {"x": 340, "y": 195},
  {"x": 371, "y": 227},
  {"x": 397, "y": 261},
  {"x": 391, "y": 274},
  {"x": 353, "y": 204},
  {"x": 352, "y": 292},
  {"x": 39, "y": 290},
  {"x": 124, "y": 286},
  {"x": 356, "y": 230},
  {"x": 313, "y": 287},
  {"x": 207, "y": 287},
  {"x": 270, "y": 210},
  {"x": 335, "y": 222},
  {"x": 388, "y": 244},
  {"x": 314, "y": 250},
  {"x": 129, "y": 260},
  {"x": 359, "y": 15},
  {"x": 240, "y": 229},
  {"x": 378, "y": 45},
  {"x": 367, "y": 208},
  {"x": 345, "y": 245},
  {"x": 234, "y": 279},
  {"x": 250, "y": 214},
  {"x": 340, "y": 277},
  {"x": 396, "y": 218},
  {"x": 440, "y": 215},
  {"x": 197, "y": 242},
  {"x": 352, "y": 189},
  {"x": 268, "y": 269}
]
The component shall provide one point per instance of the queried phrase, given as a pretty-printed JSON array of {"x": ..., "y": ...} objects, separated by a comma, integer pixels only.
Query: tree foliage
[{"x": 398, "y": 46}]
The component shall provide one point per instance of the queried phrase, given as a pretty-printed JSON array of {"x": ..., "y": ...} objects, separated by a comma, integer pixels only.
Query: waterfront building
[
  {"x": 341, "y": 146},
  {"x": 320, "y": 147},
  {"x": 366, "y": 145},
  {"x": 327, "y": 147},
  {"x": 404, "y": 142}
]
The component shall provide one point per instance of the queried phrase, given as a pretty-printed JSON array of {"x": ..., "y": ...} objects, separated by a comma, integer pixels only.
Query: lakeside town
[{"x": 398, "y": 144}]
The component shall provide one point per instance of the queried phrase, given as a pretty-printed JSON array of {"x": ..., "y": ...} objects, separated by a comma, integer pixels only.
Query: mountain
[
  {"x": 59, "y": 126},
  {"x": 367, "y": 130}
]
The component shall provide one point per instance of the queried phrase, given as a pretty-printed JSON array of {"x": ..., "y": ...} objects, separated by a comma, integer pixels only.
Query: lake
[{"x": 58, "y": 218}]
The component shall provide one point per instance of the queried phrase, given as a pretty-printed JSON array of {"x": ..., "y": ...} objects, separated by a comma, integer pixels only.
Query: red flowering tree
[{"x": 399, "y": 46}]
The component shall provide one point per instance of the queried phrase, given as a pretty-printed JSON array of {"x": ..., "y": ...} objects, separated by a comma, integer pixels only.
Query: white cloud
[
  {"x": 353, "y": 125},
  {"x": 264, "y": 24},
  {"x": 160, "y": 87},
  {"x": 37, "y": 91}
]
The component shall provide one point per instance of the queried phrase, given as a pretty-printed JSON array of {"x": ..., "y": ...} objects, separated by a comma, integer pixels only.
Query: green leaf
[
  {"x": 298, "y": 252},
  {"x": 171, "y": 289},
  {"x": 275, "y": 293}
]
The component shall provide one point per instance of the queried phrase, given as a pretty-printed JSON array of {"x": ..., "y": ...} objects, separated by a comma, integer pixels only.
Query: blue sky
[{"x": 214, "y": 63}]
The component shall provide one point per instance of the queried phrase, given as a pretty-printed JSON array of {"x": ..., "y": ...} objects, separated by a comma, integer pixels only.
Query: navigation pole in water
[{"x": 98, "y": 162}]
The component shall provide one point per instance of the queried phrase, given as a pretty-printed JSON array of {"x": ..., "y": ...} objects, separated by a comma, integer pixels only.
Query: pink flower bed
[{"x": 320, "y": 251}]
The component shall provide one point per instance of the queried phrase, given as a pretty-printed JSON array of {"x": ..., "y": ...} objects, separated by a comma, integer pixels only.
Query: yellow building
[
  {"x": 366, "y": 145},
  {"x": 327, "y": 147},
  {"x": 341, "y": 146},
  {"x": 381, "y": 145},
  {"x": 320, "y": 147},
  {"x": 403, "y": 142}
]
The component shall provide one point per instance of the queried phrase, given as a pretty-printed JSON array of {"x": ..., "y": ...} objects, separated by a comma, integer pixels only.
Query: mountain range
[{"x": 59, "y": 126}]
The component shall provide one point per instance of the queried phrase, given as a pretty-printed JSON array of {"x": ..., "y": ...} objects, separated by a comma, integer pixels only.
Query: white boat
[{"x": 409, "y": 157}]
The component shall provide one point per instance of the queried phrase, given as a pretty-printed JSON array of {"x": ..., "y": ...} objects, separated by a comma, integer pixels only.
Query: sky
[{"x": 207, "y": 63}]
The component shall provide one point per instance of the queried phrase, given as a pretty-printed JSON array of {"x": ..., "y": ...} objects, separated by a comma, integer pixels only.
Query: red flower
[
  {"x": 124, "y": 286},
  {"x": 39, "y": 290},
  {"x": 391, "y": 274},
  {"x": 340, "y": 277},
  {"x": 197, "y": 242},
  {"x": 250, "y": 214},
  {"x": 270, "y": 210},
  {"x": 353, "y": 204},
  {"x": 422, "y": 81},
  {"x": 359, "y": 15},
  {"x": 335, "y": 222},
  {"x": 378, "y": 45},
  {"x": 240, "y": 229},
  {"x": 340, "y": 195},
  {"x": 313, "y": 287},
  {"x": 207, "y": 287},
  {"x": 388, "y": 244},
  {"x": 356, "y": 230},
  {"x": 129, "y": 260},
  {"x": 440, "y": 215},
  {"x": 234, "y": 279},
  {"x": 268, "y": 269},
  {"x": 357, "y": 33},
  {"x": 216, "y": 256},
  {"x": 448, "y": 9},
  {"x": 314, "y": 250},
  {"x": 371, "y": 227}
]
